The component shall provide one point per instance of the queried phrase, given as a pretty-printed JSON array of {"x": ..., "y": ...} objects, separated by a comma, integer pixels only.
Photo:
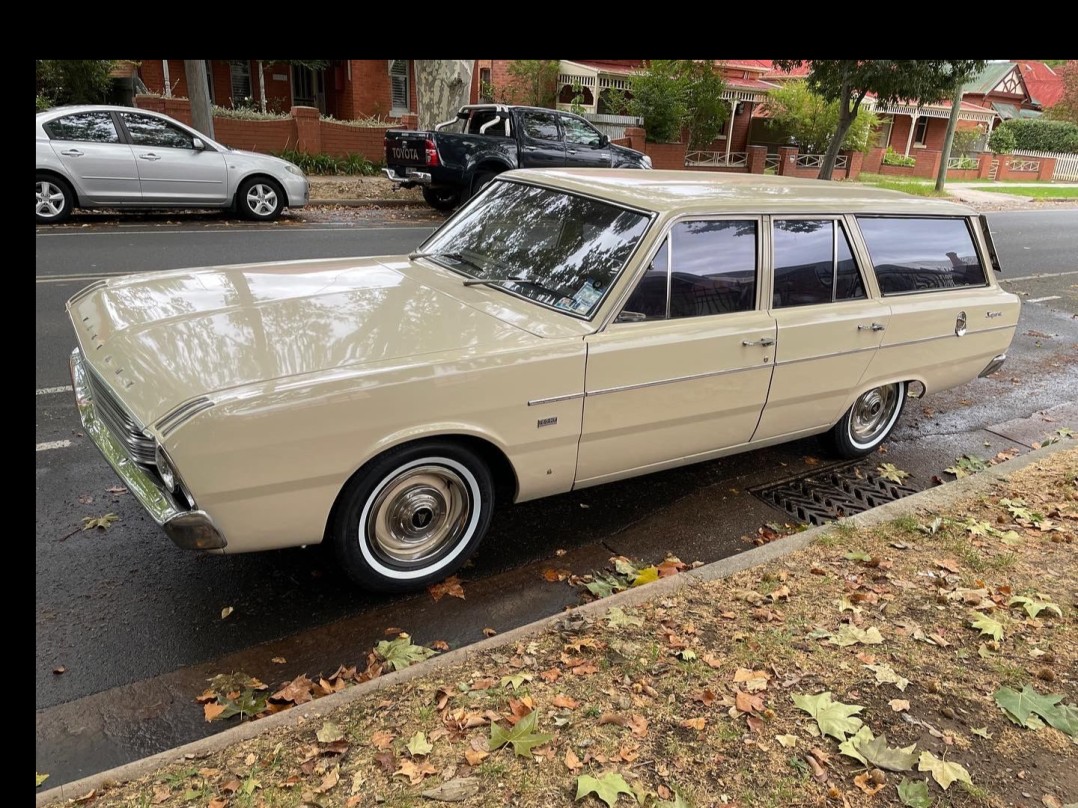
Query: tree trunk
[
  {"x": 262, "y": 85},
  {"x": 198, "y": 89},
  {"x": 442, "y": 87},
  {"x": 948, "y": 141}
]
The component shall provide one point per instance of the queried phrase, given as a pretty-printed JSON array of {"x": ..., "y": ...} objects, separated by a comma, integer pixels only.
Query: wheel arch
[
  {"x": 257, "y": 175},
  {"x": 865, "y": 386},
  {"x": 51, "y": 172}
]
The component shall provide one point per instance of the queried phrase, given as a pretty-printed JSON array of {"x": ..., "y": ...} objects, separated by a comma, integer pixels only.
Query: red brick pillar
[
  {"x": 873, "y": 160},
  {"x": 409, "y": 121},
  {"x": 1004, "y": 170},
  {"x": 788, "y": 160},
  {"x": 308, "y": 129},
  {"x": 928, "y": 163},
  {"x": 855, "y": 164},
  {"x": 1048, "y": 168},
  {"x": 984, "y": 167},
  {"x": 178, "y": 108},
  {"x": 636, "y": 135},
  {"x": 757, "y": 159},
  {"x": 156, "y": 103}
]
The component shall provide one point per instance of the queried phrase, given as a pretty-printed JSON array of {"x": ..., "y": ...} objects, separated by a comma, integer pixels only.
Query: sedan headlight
[
  {"x": 293, "y": 169},
  {"x": 646, "y": 161},
  {"x": 164, "y": 469}
]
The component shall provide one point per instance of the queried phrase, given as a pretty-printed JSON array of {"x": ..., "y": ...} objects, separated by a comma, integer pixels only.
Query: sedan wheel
[
  {"x": 261, "y": 200},
  {"x": 869, "y": 421},
  {"x": 54, "y": 200},
  {"x": 412, "y": 516}
]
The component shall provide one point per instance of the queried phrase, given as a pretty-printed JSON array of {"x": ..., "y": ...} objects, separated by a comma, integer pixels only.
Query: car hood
[{"x": 161, "y": 339}]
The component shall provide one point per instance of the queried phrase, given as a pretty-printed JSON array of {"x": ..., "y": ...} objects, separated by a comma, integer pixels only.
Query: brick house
[{"x": 1019, "y": 89}]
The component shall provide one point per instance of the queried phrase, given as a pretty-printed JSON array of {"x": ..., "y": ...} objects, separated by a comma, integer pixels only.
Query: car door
[
  {"x": 100, "y": 164},
  {"x": 682, "y": 373},
  {"x": 171, "y": 170},
  {"x": 830, "y": 325},
  {"x": 541, "y": 144},
  {"x": 584, "y": 144},
  {"x": 948, "y": 321}
]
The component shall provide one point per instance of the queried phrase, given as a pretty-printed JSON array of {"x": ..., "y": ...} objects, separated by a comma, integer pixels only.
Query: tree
[
  {"x": 533, "y": 82},
  {"x": 1001, "y": 141},
  {"x": 848, "y": 81},
  {"x": 811, "y": 120},
  {"x": 441, "y": 86},
  {"x": 198, "y": 90},
  {"x": 675, "y": 94},
  {"x": 1066, "y": 108},
  {"x": 73, "y": 81}
]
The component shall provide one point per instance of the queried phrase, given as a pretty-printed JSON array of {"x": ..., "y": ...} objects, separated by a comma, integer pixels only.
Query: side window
[
  {"x": 146, "y": 130},
  {"x": 808, "y": 269},
  {"x": 712, "y": 270},
  {"x": 579, "y": 132},
  {"x": 88, "y": 127},
  {"x": 541, "y": 126},
  {"x": 921, "y": 255}
]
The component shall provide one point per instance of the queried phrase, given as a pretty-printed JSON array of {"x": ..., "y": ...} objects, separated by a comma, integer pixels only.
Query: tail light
[{"x": 432, "y": 158}]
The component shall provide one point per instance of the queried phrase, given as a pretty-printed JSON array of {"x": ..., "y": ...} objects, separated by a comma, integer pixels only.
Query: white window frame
[
  {"x": 238, "y": 68},
  {"x": 398, "y": 86}
]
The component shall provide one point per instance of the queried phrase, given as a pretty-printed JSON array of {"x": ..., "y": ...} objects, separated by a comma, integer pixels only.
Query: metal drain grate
[{"x": 823, "y": 496}]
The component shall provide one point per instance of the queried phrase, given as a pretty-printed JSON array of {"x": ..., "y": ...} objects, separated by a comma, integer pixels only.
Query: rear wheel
[
  {"x": 442, "y": 198},
  {"x": 412, "y": 516},
  {"x": 55, "y": 199},
  {"x": 868, "y": 422}
]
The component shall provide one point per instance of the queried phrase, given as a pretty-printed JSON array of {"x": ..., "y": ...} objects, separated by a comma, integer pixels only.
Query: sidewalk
[{"x": 886, "y": 655}]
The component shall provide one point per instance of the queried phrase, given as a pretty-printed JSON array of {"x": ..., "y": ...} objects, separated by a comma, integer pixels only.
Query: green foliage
[
  {"x": 1037, "y": 134},
  {"x": 675, "y": 94},
  {"x": 327, "y": 164},
  {"x": 534, "y": 82},
  {"x": 893, "y": 158},
  {"x": 247, "y": 110},
  {"x": 1066, "y": 108},
  {"x": 73, "y": 81},
  {"x": 812, "y": 121},
  {"x": 964, "y": 140},
  {"x": 1002, "y": 141}
]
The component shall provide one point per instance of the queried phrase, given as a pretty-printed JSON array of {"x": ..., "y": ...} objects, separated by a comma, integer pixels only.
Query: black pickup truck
[{"x": 455, "y": 160}]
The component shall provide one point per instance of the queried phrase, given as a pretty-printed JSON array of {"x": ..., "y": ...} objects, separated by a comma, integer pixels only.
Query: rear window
[{"x": 921, "y": 254}]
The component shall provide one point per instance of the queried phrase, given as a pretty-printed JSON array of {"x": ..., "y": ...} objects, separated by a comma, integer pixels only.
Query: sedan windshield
[{"x": 557, "y": 249}]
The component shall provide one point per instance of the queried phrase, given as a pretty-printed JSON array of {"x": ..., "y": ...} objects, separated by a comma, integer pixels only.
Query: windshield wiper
[
  {"x": 450, "y": 255},
  {"x": 502, "y": 279}
]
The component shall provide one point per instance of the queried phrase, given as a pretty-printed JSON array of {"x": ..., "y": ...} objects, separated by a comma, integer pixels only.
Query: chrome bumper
[
  {"x": 993, "y": 366},
  {"x": 411, "y": 177},
  {"x": 189, "y": 529}
]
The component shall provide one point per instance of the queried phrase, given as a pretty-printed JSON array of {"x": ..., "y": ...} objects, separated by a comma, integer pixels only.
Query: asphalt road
[{"x": 136, "y": 624}]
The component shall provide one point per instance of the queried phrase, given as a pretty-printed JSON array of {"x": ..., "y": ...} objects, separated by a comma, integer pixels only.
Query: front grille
[{"x": 123, "y": 427}]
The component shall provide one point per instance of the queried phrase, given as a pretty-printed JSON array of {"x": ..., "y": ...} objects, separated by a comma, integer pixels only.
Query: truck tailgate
[{"x": 407, "y": 148}]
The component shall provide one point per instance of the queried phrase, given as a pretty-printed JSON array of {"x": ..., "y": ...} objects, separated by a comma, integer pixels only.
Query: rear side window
[
  {"x": 813, "y": 264},
  {"x": 88, "y": 127},
  {"x": 541, "y": 126},
  {"x": 921, "y": 255}
]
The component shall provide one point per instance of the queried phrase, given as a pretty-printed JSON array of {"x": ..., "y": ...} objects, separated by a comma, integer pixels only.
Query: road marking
[
  {"x": 1035, "y": 277},
  {"x": 1042, "y": 299},
  {"x": 48, "y": 391},
  {"x": 344, "y": 226},
  {"x": 53, "y": 444},
  {"x": 80, "y": 278}
]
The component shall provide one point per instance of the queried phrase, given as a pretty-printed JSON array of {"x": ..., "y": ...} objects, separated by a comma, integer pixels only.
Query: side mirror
[
  {"x": 198, "y": 144},
  {"x": 604, "y": 141}
]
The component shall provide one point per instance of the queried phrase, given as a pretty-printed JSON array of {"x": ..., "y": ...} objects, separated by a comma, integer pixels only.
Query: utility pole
[
  {"x": 952, "y": 123},
  {"x": 199, "y": 91}
]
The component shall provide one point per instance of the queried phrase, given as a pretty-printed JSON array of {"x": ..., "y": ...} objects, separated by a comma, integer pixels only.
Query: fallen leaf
[
  {"x": 914, "y": 793},
  {"x": 329, "y": 733},
  {"x": 617, "y": 618},
  {"x": 565, "y": 702},
  {"x": 607, "y": 788},
  {"x": 99, "y": 522},
  {"x": 899, "y": 705},
  {"x": 638, "y": 725},
  {"x": 885, "y": 675},
  {"x": 489, "y": 632},
  {"x": 865, "y": 783},
  {"x": 278, "y": 660},
  {"x": 987, "y": 625},
  {"x": 787, "y": 741},
  {"x": 331, "y": 779},
  {"x": 212, "y": 710},
  {"x": 851, "y": 635},
  {"x": 413, "y": 771},
  {"x": 41, "y": 778},
  {"x": 522, "y": 736},
  {"x": 225, "y": 612},
  {"x": 59, "y": 669},
  {"x": 833, "y": 718},
  {"x": 943, "y": 772},
  {"x": 694, "y": 723},
  {"x": 419, "y": 745},
  {"x": 572, "y": 762},
  {"x": 475, "y": 756},
  {"x": 456, "y": 790},
  {"x": 450, "y": 586}
]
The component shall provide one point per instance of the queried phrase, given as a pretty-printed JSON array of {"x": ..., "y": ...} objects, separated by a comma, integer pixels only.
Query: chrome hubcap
[
  {"x": 50, "y": 199},
  {"x": 418, "y": 515},
  {"x": 872, "y": 412},
  {"x": 262, "y": 200}
]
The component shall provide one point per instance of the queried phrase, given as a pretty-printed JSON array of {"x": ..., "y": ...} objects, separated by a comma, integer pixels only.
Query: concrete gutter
[
  {"x": 938, "y": 498},
  {"x": 366, "y": 203}
]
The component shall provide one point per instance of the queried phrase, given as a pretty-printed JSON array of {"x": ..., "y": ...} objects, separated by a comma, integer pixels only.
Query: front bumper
[
  {"x": 411, "y": 178},
  {"x": 298, "y": 190},
  {"x": 189, "y": 529}
]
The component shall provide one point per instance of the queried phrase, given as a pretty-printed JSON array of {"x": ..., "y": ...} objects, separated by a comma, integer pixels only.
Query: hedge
[{"x": 1037, "y": 134}]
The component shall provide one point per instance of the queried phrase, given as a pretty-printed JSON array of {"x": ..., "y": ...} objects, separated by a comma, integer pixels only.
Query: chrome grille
[{"x": 123, "y": 427}]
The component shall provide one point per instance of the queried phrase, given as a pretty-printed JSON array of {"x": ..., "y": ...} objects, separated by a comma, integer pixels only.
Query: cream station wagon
[{"x": 563, "y": 329}]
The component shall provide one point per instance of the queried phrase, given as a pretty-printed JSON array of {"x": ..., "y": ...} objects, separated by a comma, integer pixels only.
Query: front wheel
[
  {"x": 442, "y": 198},
  {"x": 260, "y": 199},
  {"x": 868, "y": 422},
  {"x": 412, "y": 516}
]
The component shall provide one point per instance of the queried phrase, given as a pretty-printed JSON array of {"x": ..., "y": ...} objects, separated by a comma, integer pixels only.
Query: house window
[
  {"x": 920, "y": 132},
  {"x": 486, "y": 88},
  {"x": 398, "y": 86},
  {"x": 209, "y": 80},
  {"x": 308, "y": 88},
  {"x": 240, "y": 72}
]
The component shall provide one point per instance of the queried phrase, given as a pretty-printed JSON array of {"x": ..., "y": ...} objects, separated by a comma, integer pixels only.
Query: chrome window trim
[{"x": 535, "y": 402}]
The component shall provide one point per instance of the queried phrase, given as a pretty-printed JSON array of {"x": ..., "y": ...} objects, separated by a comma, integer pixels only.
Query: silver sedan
[{"x": 121, "y": 157}]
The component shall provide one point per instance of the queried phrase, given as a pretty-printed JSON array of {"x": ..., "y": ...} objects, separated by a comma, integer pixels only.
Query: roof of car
[{"x": 705, "y": 191}]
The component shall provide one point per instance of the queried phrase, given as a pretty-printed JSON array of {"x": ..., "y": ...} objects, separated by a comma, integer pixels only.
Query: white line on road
[
  {"x": 53, "y": 444},
  {"x": 291, "y": 230},
  {"x": 1036, "y": 277},
  {"x": 1042, "y": 299},
  {"x": 48, "y": 391}
]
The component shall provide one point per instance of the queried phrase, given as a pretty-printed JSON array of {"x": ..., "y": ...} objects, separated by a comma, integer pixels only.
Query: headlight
[
  {"x": 165, "y": 469},
  {"x": 291, "y": 169},
  {"x": 647, "y": 161}
]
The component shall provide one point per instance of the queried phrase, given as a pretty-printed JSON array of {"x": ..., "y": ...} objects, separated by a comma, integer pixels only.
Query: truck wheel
[
  {"x": 480, "y": 181},
  {"x": 442, "y": 198}
]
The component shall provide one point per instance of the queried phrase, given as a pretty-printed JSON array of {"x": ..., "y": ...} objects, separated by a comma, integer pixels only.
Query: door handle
[
  {"x": 71, "y": 153},
  {"x": 763, "y": 341},
  {"x": 531, "y": 148},
  {"x": 149, "y": 156},
  {"x": 572, "y": 151},
  {"x": 873, "y": 327}
]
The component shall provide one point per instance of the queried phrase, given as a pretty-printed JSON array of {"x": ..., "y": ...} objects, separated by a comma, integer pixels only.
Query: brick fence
[
  {"x": 302, "y": 130},
  {"x": 1008, "y": 167}
]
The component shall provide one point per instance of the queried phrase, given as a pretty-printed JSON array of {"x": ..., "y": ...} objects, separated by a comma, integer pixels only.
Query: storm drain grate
[{"x": 818, "y": 497}]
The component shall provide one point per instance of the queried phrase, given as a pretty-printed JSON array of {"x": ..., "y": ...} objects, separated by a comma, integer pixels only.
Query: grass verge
[{"x": 1036, "y": 192}]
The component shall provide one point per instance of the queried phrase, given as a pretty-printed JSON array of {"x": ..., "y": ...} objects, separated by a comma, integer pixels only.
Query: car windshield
[{"x": 558, "y": 249}]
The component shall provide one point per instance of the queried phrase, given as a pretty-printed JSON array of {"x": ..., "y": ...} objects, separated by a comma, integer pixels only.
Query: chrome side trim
[
  {"x": 79, "y": 295},
  {"x": 535, "y": 402},
  {"x": 827, "y": 356},
  {"x": 946, "y": 336},
  {"x": 182, "y": 414},
  {"x": 693, "y": 377},
  {"x": 189, "y": 529}
]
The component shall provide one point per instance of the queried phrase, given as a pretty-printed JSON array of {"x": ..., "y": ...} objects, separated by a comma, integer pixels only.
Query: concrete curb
[
  {"x": 365, "y": 203},
  {"x": 932, "y": 499}
]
